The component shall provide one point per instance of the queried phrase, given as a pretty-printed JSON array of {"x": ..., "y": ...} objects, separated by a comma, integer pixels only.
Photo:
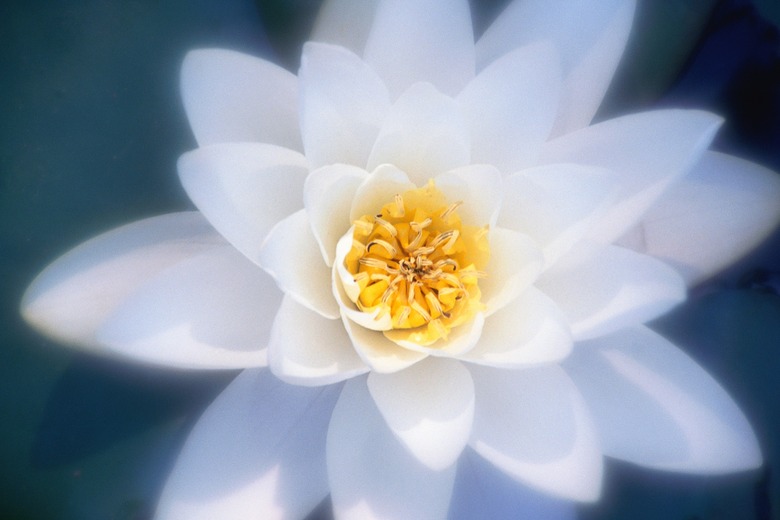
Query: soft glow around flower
[
  {"x": 417, "y": 262},
  {"x": 437, "y": 259}
]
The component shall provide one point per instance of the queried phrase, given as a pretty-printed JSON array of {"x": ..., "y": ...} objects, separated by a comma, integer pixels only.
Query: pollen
[{"x": 415, "y": 261}]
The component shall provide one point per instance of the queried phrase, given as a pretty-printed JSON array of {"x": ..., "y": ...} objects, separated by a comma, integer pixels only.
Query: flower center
[{"x": 416, "y": 261}]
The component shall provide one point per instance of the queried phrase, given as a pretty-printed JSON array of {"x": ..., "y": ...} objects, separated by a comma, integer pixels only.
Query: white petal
[
  {"x": 429, "y": 407},
  {"x": 257, "y": 452},
  {"x": 212, "y": 311},
  {"x": 589, "y": 36},
  {"x": 482, "y": 491},
  {"x": 515, "y": 262},
  {"x": 244, "y": 188},
  {"x": 372, "y": 476},
  {"x": 511, "y": 106},
  {"x": 346, "y": 292},
  {"x": 74, "y": 295},
  {"x": 424, "y": 134},
  {"x": 327, "y": 196},
  {"x": 529, "y": 330},
  {"x": 654, "y": 406},
  {"x": 648, "y": 151},
  {"x": 291, "y": 255},
  {"x": 307, "y": 349},
  {"x": 378, "y": 352},
  {"x": 711, "y": 217},
  {"x": 611, "y": 288},
  {"x": 422, "y": 40},
  {"x": 232, "y": 97},
  {"x": 378, "y": 189},
  {"x": 534, "y": 426},
  {"x": 479, "y": 187},
  {"x": 345, "y": 22},
  {"x": 345, "y": 289},
  {"x": 343, "y": 104},
  {"x": 557, "y": 204}
]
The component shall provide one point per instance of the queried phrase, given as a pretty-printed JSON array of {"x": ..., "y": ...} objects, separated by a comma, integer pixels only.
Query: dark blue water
[{"x": 90, "y": 128}]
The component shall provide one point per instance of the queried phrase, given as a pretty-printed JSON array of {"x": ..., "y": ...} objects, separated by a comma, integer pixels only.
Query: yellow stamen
[{"x": 407, "y": 262}]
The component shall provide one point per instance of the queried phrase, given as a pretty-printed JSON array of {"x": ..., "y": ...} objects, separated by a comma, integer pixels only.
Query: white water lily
[{"x": 444, "y": 268}]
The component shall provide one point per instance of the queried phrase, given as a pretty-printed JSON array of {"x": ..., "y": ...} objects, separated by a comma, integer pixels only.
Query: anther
[
  {"x": 399, "y": 204},
  {"x": 373, "y": 262},
  {"x": 416, "y": 241},
  {"x": 453, "y": 237},
  {"x": 363, "y": 227},
  {"x": 423, "y": 250},
  {"x": 453, "y": 280},
  {"x": 447, "y": 261},
  {"x": 445, "y": 216},
  {"x": 419, "y": 308},
  {"x": 441, "y": 238},
  {"x": 420, "y": 225},
  {"x": 386, "y": 225},
  {"x": 432, "y": 275},
  {"x": 405, "y": 312},
  {"x": 433, "y": 303},
  {"x": 387, "y": 246}
]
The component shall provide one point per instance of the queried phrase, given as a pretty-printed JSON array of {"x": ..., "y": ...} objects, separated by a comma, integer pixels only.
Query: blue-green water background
[{"x": 91, "y": 126}]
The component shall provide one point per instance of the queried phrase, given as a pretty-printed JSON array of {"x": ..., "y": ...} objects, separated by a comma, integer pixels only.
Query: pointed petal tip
[
  {"x": 656, "y": 407},
  {"x": 534, "y": 426},
  {"x": 74, "y": 294},
  {"x": 429, "y": 407}
]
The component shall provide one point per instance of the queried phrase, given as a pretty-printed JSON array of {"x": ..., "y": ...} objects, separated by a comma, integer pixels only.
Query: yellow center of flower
[{"x": 415, "y": 260}]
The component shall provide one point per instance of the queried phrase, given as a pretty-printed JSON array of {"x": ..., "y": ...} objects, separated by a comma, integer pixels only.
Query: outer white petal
[
  {"x": 479, "y": 187},
  {"x": 244, "y": 189},
  {"x": 232, "y": 97},
  {"x": 422, "y": 40},
  {"x": 372, "y": 476},
  {"x": 482, "y": 491},
  {"x": 343, "y": 104},
  {"x": 345, "y": 22},
  {"x": 711, "y": 217},
  {"x": 74, "y": 295},
  {"x": 378, "y": 189},
  {"x": 529, "y": 330},
  {"x": 610, "y": 288},
  {"x": 291, "y": 255},
  {"x": 424, "y": 134},
  {"x": 378, "y": 352},
  {"x": 212, "y": 311},
  {"x": 257, "y": 452},
  {"x": 556, "y": 204},
  {"x": 589, "y": 36},
  {"x": 515, "y": 263},
  {"x": 533, "y": 425},
  {"x": 511, "y": 106},
  {"x": 307, "y": 349},
  {"x": 648, "y": 151},
  {"x": 429, "y": 407},
  {"x": 654, "y": 406},
  {"x": 327, "y": 196}
]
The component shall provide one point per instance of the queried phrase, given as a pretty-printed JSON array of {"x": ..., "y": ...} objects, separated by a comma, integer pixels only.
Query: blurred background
[{"x": 91, "y": 126}]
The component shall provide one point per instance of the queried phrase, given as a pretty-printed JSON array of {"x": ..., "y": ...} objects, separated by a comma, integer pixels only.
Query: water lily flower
[{"x": 431, "y": 266}]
